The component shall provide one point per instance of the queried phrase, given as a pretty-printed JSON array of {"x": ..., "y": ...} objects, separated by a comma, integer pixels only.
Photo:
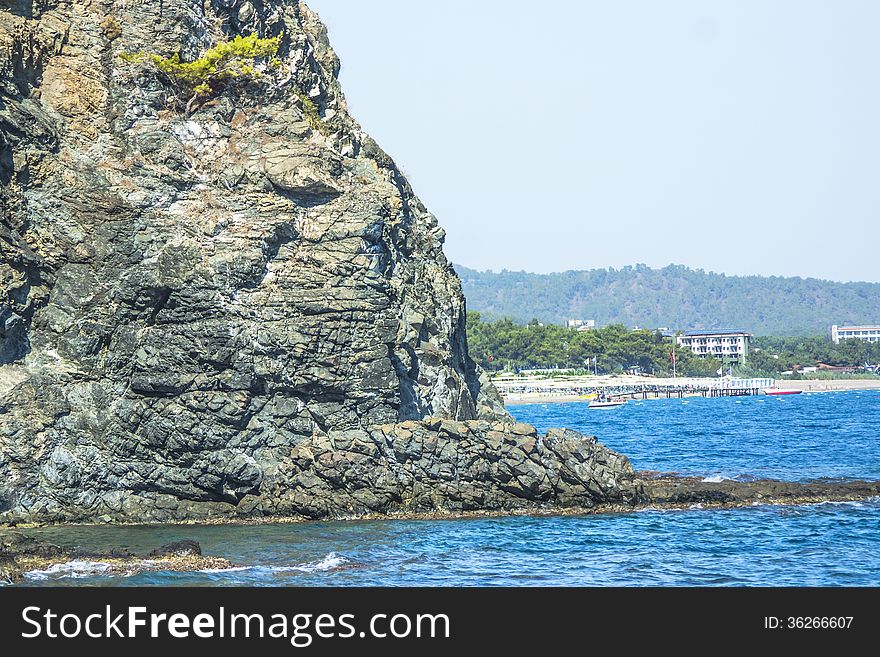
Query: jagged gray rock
[
  {"x": 189, "y": 297},
  {"x": 411, "y": 467}
]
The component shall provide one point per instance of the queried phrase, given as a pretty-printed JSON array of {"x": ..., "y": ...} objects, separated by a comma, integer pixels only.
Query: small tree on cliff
[{"x": 243, "y": 57}]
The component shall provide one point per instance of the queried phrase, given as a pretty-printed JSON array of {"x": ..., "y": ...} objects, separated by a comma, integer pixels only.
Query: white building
[
  {"x": 864, "y": 333},
  {"x": 581, "y": 324},
  {"x": 723, "y": 344}
]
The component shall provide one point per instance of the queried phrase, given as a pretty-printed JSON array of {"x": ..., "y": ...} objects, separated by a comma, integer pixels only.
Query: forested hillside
[{"x": 675, "y": 297}]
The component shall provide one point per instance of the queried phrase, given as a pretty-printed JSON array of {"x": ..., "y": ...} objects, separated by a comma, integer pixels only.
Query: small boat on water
[
  {"x": 782, "y": 391},
  {"x": 603, "y": 402}
]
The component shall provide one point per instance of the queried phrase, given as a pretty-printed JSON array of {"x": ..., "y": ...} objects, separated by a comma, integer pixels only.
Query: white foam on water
[
  {"x": 72, "y": 569},
  {"x": 718, "y": 478},
  {"x": 852, "y": 503},
  {"x": 329, "y": 562},
  {"x": 856, "y": 504},
  {"x": 656, "y": 509},
  {"x": 659, "y": 509}
]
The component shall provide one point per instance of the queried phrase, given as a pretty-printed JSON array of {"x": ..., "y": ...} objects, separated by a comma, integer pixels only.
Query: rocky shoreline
[
  {"x": 22, "y": 553},
  {"x": 669, "y": 491},
  {"x": 663, "y": 491},
  {"x": 426, "y": 466}
]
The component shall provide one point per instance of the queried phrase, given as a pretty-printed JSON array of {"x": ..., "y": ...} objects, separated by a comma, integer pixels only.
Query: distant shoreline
[{"x": 806, "y": 385}]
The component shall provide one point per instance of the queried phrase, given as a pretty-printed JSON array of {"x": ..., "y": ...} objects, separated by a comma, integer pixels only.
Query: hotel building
[
  {"x": 724, "y": 344},
  {"x": 865, "y": 333}
]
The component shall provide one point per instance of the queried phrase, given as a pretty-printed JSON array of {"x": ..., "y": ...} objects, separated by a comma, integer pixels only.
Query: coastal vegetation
[
  {"x": 780, "y": 354},
  {"x": 310, "y": 112},
  {"x": 230, "y": 60},
  {"x": 505, "y": 345},
  {"x": 675, "y": 297}
]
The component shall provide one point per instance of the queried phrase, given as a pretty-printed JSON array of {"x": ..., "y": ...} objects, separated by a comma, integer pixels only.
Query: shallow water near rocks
[{"x": 797, "y": 438}]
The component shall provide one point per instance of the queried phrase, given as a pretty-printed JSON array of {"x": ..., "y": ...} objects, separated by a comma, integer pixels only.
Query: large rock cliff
[{"x": 194, "y": 295}]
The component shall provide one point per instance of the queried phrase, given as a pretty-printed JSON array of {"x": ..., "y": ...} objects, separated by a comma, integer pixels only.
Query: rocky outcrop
[
  {"x": 417, "y": 467},
  {"x": 678, "y": 491},
  {"x": 410, "y": 468},
  {"x": 21, "y": 554},
  {"x": 223, "y": 307},
  {"x": 392, "y": 469}
]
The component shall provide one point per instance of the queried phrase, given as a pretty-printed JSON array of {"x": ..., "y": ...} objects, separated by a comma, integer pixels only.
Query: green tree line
[
  {"x": 777, "y": 354},
  {"x": 504, "y": 344}
]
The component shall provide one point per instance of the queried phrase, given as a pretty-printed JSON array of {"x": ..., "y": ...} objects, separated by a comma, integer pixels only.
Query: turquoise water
[{"x": 803, "y": 437}]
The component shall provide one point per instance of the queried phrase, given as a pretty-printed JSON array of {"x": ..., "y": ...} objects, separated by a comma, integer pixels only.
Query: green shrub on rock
[
  {"x": 227, "y": 61},
  {"x": 310, "y": 112}
]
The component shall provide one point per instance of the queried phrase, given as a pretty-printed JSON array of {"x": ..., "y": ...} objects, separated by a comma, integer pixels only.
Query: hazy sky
[{"x": 741, "y": 137}]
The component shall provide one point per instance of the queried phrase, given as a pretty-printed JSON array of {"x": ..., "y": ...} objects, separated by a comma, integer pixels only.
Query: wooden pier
[{"x": 669, "y": 392}]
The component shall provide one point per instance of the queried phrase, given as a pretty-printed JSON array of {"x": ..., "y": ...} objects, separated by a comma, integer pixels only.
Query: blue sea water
[
  {"x": 792, "y": 437},
  {"x": 797, "y": 438}
]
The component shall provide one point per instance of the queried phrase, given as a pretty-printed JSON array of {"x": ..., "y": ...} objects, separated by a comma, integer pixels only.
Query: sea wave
[
  {"x": 329, "y": 562},
  {"x": 72, "y": 569},
  {"x": 718, "y": 478},
  {"x": 81, "y": 569},
  {"x": 866, "y": 502},
  {"x": 856, "y": 504}
]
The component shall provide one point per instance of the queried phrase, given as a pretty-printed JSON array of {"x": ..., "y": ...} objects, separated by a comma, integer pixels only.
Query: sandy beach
[{"x": 830, "y": 386}]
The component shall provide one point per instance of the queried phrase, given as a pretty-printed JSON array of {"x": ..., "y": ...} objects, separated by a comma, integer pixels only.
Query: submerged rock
[
  {"x": 179, "y": 548},
  {"x": 677, "y": 491}
]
